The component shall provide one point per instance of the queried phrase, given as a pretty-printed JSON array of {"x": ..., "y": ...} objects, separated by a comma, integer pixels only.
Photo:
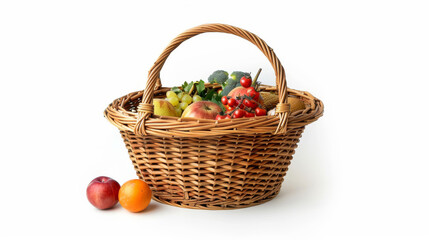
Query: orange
[{"x": 135, "y": 195}]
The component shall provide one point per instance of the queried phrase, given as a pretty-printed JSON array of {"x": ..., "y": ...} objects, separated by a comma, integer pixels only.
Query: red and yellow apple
[
  {"x": 102, "y": 192},
  {"x": 202, "y": 110}
]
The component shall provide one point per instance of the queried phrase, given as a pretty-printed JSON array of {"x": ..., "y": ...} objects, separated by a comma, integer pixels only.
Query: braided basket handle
[{"x": 145, "y": 108}]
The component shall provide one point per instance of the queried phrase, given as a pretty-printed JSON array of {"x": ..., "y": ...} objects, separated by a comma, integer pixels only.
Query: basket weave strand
[{"x": 208, "y": 164}]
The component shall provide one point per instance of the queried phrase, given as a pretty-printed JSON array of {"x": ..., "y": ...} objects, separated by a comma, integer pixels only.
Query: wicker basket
[{"x": 209, "y": 164}]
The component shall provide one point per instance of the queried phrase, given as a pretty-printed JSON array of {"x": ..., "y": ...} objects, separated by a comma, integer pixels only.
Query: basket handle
[{"x": 145, "y": 108}]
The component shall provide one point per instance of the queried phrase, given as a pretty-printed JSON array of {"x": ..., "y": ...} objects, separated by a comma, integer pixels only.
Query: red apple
[
  {"x": 102, "y": 192},
  {"x": 202, "y": 110}
]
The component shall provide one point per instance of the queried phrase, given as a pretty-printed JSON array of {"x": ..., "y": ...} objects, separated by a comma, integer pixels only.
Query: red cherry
[
  {"x": 249, "y": 114},
  {"x": 246, "y": 81},
  {"x": 224, "y": 100},
  {"x": 239, "y": 113},
  {"x": 228, "y": 108},
  {"x": 232, "y": 102},
  {"x": 256, "y": 97},
  {"x": 260, "y": 112},
  {"x": 251, "y": 92},
  {"x": 250, "y": 103},
  {"x": 219, "y": 117}
]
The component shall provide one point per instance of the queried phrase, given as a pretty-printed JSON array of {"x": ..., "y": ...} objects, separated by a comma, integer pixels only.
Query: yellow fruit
[
  {"x": 178, "y": 110},
  {"x": 171, "y": 94},
  {"x": 295, "y": 104},
  {"x": 163, "y": 108},
  {"x": 187, "y": 99},
  {"x": 270, "y": 99},
  {"x": 183, "y": 105},
  {"x": 196, "y": 98},
  {"x": 173, "y": 100},
  {"x": 180, "y": 95}
]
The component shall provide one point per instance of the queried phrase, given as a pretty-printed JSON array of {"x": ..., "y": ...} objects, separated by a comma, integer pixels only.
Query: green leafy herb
[
  {"x": 200, "y": 87},
  {"x": 187, "y": 86},
  {"x": 218, "y": 102},
  {"x": 210, "y": 93},
  {"x": 176, "y": 90}
]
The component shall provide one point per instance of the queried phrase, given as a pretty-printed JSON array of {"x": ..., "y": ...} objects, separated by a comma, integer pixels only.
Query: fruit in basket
[
  {"x": 243, "y": 100},
  {"x": 135, "y": 195},
  {"x": 239, "y": 113},
  {"x": 174, "y": 101},
  {"x": 163, "y": 108},
  {"x": 196, "y": 98},
  {"x": 240, "y": 91},
  {"x": 251, "y": 92},
  {"x": 260, "y": 112},
  {"x": 224, "y": 100},
  {"x": 249, "y": 114},
  {"x": 250, "y": 103},
  {"x": 187, "y": 99},
  {"x": 180, "y": 95},
  {"x": 171, "y": 94},
  {"x": 178, "y": 110},
  {"x": 232, "y": 102},
  {"x": 242, "y": 106},
  {"x": 295, "y": 104},
  {"x": 180, "y": 100},
  {"x": 270, "y": 99},
  {"x": 228, "y": 108},
  {"x": 202, "y": 110},
  {"x": 102, "y": 192},
  {"x": 246, "y": 81},
  {"x": 183, "y": 105}
]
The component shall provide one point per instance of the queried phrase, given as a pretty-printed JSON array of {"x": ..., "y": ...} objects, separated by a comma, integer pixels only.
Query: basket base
[{"x": 221, "y": 206}]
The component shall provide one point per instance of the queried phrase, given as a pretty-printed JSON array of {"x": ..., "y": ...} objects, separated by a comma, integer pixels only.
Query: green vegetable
[
  {"x": 233, "y": 82},
  {"x": 229, "y": 85},
  {"x": 237, "y": 75},
  {"x": 219, "y": 76}
]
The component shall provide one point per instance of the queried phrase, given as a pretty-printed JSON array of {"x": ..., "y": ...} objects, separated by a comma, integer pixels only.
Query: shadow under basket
[{"x": 209, "y": 164}]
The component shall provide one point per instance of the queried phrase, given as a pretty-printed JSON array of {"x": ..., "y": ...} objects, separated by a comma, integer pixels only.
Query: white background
[{"x": 360, "y": 172}]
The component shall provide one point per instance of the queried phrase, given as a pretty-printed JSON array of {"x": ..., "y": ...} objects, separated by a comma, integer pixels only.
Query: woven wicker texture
[{"x": 208, "y": 164}]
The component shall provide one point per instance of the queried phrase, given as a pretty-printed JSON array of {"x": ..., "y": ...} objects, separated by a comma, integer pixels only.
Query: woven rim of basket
[{"x": 189, "y": 127}]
